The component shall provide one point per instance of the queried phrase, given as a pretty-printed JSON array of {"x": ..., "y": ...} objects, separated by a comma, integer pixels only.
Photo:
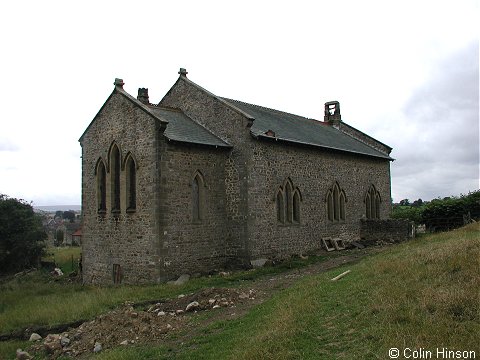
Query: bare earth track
[{"x": 173, "y": 321}]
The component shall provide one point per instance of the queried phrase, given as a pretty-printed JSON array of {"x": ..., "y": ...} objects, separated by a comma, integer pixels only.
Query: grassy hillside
[{"x": 421, "y": 294}]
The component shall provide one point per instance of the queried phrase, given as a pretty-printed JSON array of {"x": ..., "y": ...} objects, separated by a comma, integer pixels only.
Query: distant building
[{"x": 199, "y": 182}]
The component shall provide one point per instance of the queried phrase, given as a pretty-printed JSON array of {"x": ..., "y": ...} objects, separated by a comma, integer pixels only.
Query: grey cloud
[{"x": 442, "y": 156}]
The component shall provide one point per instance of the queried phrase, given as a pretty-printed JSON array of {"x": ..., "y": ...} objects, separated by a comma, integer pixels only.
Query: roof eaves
[
  {"x": 261, "y": 136},
  {"x": 350, "y": 126},
  {"x": 223, "y": 146}
]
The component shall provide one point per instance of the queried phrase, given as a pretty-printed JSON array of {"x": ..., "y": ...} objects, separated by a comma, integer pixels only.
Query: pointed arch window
[
  {"x": 372, "y": 203},
  {"x": 131, "y": 184},
  {"x": 296, "y": 206},
  {"x": 115, "y": 177},
  {"x": 280, "y": 206},
  {"x": 198, "y": 197},
  {"x": 335, "y": 201},
  {"x": 101, "y": 187},
  {"x": 288, "y": 200}
]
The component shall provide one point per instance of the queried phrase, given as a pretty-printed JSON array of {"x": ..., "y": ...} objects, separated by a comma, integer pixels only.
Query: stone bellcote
[{"x": 332, "y": 112}]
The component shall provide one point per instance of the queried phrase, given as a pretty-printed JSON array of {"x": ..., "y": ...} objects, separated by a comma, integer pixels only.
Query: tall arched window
[
  {"x": 336, "y": 200},
  {"x": 131, "y": 177},
  {"x": 198, "y": 197},
  {"x": 115, "y": 177},
  {"x": 288, "y": 200},
  {"x": 296, "y": 206},
  {"x": 280, "y": 206},
  {"x": 372, "y": 203},
  {"x": 101, "y": 187}
]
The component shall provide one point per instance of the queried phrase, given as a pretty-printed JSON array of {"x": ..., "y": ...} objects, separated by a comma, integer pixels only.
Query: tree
[
  {"x": 21, "y": 235},
  {"x": 404, "y": 202},
  {"x": 70, "y": 215},
  {"x": 417, "y": 203}
]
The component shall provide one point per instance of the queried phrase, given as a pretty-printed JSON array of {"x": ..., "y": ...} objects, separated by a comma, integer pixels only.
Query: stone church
[{"x": 199, "y": 182}]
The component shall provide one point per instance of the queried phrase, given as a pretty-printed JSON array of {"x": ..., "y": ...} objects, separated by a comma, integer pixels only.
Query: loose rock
[
  {"x": 97, "y": 348},
  {"x": 194, "y": 305},
  {"x": 52, "y": 343},
  {"x": 182, "y": 279},
  {"x": 23, "y": 355},
  {"x": 64, "y": 341},
  {"x": 35, "y": 337}
]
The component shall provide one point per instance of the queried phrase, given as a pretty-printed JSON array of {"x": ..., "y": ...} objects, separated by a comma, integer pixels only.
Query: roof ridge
[
  {"x": 271, "y": 109},
  {"x": 219, "y": 98}
]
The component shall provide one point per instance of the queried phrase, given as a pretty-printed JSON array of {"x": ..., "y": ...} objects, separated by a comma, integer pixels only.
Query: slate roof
[
  {"x": 298, "y": 129},
  {"x": 182, "y": 128}
]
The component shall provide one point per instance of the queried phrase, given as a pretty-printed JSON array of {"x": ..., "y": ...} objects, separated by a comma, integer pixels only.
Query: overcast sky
[{"x": 405, "y": 72}]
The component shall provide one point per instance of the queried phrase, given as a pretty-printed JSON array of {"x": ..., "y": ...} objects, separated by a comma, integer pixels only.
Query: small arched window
[
  {"x": 198, "y": 197},
  {"x": 115, "y": 177},
  {"x": 336, "y": 200},
  {"x": 101, "y": 187},
  {"x": 131, "y": 177}
]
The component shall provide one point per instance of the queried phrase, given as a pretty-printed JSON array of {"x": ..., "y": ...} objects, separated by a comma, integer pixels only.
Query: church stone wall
[
  {"x": 314, "y": 172},
  {"x": 231, "y": 127},
  {"x": 189, "y": 245},
  {"x": 129, "y": 240}
]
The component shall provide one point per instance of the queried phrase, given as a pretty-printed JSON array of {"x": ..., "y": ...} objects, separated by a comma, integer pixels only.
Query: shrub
[
  {"x": 21, "y": 235},
  {"x": 449, "y": 213},
  {"x": 408, "y": 213}
]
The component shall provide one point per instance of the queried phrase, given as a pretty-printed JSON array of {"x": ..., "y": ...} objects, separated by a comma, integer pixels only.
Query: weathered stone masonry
[{"x": 219, "y": 183}]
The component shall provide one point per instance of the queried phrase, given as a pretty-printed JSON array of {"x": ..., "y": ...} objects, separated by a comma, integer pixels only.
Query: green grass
[
  {"x": 419, "y": 294},
  {"x": 23, "y": 300},
  {"x": 65, "y": 257}
]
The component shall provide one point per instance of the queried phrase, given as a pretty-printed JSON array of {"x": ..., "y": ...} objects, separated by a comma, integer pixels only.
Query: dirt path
[{"x": 128, "y": 325}]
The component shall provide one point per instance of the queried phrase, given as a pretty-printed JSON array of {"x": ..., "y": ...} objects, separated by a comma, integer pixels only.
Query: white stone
[
  {"x": 161, "y": 313},
  {"x": 64, "y": 341},
  {"x": 97, "y": 348},
  {"x": 182, "y": 279},
  {"x": 192, "y": 306},
  {"x": 258, "y": 263},
  {"x": 35, "y": 337}
]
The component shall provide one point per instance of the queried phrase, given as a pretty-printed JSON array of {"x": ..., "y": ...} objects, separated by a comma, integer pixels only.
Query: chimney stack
[
  {"x": 332, "y": 112},
  {"x": 143, "y": 96}
]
